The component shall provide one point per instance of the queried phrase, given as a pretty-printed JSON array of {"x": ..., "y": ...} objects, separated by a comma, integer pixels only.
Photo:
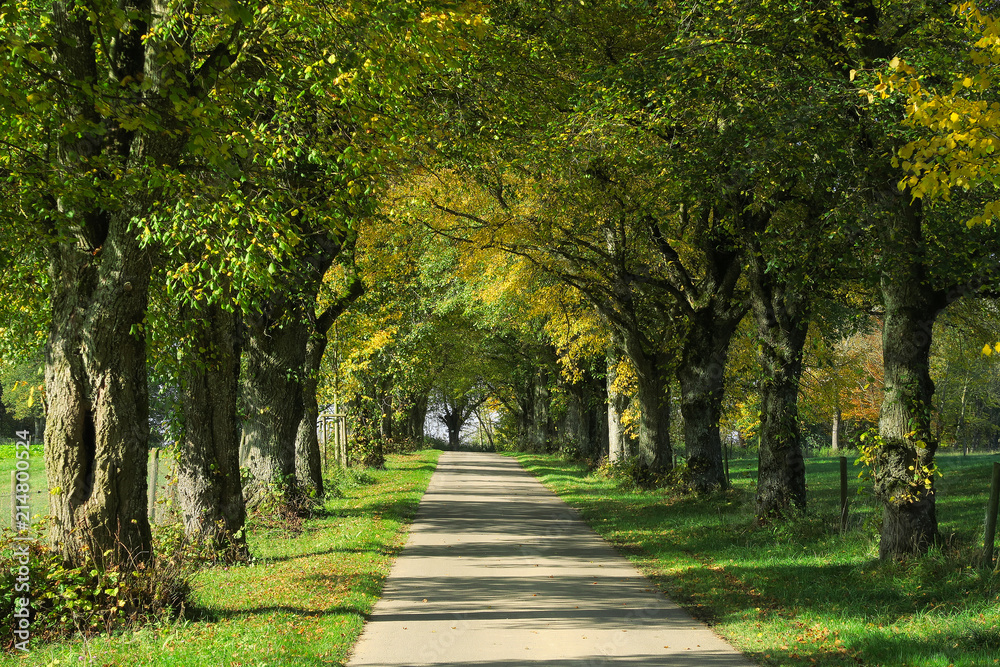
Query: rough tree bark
[
  {"x": 285, "y": 347},
  {"x": 907, "y": 447},
  {"x": 653, "y": 446},
  {"x": 701, "y": 377},
  {"x": 781, "y": 317},
  {"x": 208, "y": 471},
  {"x": 96, "y": 378},
  {"x": 453, "y": 419},
  {"x": 308, "y": 461},
  {"x": 97, "y": 436},
  {"x": 272, "y": 396},
  {"x": 574, "y": 427},
  {"x": 708, "y": 299}
]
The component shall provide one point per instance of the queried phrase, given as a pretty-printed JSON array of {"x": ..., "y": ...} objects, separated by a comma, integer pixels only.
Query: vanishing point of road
[{"x": 498, "y": 571}]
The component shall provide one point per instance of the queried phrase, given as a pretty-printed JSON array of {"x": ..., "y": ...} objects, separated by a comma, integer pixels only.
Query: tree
[
  {"x": 116, "y": 92},
  {"x": 209, "y": 487},
  {"x": 956, "y": 109},
  {"x": 966, "y": 398},
  {"x": 843, "y": 379},
  {"x": 919, "y": 272}
]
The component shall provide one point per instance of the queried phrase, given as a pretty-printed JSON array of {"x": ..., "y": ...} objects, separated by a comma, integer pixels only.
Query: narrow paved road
[{"x": 498, "y": 571}]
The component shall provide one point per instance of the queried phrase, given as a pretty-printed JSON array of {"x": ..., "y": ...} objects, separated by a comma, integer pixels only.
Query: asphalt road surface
[{"x": 498, "y": 571}]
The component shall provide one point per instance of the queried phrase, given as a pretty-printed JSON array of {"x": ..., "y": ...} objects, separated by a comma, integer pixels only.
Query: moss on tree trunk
[
  {"x": 904, "y": 456},
  {"x": 780, "y": 317}
]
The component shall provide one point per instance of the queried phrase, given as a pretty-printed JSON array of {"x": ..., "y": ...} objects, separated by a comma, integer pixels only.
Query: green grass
[
  {"x": 304, "y": 600},
  {"x": 38, "y": 498},
  {"x": 802, "y": 593}
]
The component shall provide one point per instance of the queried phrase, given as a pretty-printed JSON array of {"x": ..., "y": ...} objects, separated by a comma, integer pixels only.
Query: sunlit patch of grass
[
  {"x": 302, "y": 602},
  {"x": 39, "y": 497},
  {"x": 802, "y": 592}
]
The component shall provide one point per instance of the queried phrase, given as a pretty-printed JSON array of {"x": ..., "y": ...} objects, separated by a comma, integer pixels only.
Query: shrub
[
  {"x": 275, "y": 513},
  {"x": 89, "y": 599},
  {"x": 368, "y": 450},
  {"x": 631, "y": 472}
]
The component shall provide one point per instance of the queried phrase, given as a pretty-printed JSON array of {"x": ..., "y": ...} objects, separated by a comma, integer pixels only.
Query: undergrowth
[{"x": 89, "y": 599}]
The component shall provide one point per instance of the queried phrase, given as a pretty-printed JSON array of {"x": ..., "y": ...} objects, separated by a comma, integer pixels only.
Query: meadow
[{"x": 38, "y": 497}]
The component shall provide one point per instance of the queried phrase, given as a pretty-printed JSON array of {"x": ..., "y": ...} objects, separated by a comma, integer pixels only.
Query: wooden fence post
[
  {"x": 153, "y": 479},
  {"x": 326, "y": 447},
  {"x": 13, "y": 500},
  {"x": 991, "y": 517}
]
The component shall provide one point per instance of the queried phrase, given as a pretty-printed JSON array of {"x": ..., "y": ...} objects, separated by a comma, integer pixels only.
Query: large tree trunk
[
  {"x": 208, "y": 472},
  {"x": 525, "y": 415},
  {"x": 97, "y": 435},
  {"x": 584, "y": 423},
  {"x": 701, "y": 377},
  {"x": 541, "y": 420},
  {"x": 96, "y": 443},
  {"x": 619, "y": 445},
  {"x": 272, "y": 395},
  {"x": 308, "y": 462},
  {"x": 454, "y": 418},
  {"x": 905, "y": 455},
  {"x": 654, "y": 446},
  {"x": 416, "y": 415},
  {"x": 781, "y": 327},
  {"x": 454, "y": 432}
]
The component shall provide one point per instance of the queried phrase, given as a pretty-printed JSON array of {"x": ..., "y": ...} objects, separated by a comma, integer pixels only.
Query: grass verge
[
  {"x": 803, "y": 593},
  {"x": 304, "y": 600}
]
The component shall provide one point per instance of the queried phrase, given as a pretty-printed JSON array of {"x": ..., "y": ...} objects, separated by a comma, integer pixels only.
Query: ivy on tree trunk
[{"x": 903, "y": 465}]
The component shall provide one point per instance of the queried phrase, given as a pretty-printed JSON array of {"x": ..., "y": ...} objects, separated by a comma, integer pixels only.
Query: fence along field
[{"x": 332, "y": 433}]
